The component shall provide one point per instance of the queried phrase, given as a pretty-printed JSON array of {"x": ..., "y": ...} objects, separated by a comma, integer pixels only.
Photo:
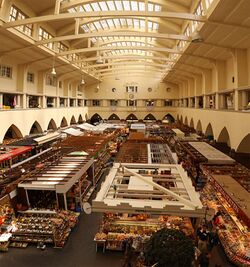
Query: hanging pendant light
[
  {"x": 53, "y": 71},
  {"x": 82, "y": 81}
]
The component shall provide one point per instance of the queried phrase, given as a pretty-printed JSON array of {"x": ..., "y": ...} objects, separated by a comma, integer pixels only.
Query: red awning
[{"x": 15, "y": 152}]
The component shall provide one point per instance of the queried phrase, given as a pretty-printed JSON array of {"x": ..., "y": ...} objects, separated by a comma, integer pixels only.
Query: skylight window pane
[
  {"x": 126, "y": 5},
  {"x": 141, "y": 6},
  {"x": 134, "y": 5},
  {"x": 96, "y": 7},
  {"x": 142, "y": 23},
  {"x": 111, "y": 5},
  {"x": 150, "y": 25},
  {"x": 103, "y": 6},
  {"x": 104, "y": 24},
  {"x": 98, "y": 25},
  {"x": 117, "y": 22},
  {"x": 155, "y": 26},
  {"x": 136, "y": 23},
  {"x": 119, "y": 5},
  {"x": 157, "y": 8},
  {"x": 110, "y": 22},
  {"x": 150, "y": 7},
  {"x": 129, "y": 22},
  {"x": 87, "y": 7},
  {"x": 71, "y": 10},
  {"x": 123, "y": 22},
  {"x": 92, "y": 27},
  {"x": 85, "y": 28}
]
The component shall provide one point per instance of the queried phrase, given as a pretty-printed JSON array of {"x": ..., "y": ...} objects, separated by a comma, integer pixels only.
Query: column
[
  {"x": 216, "y": 101},
  {"x": 1, "y": 100},
  {"x": 236, "y": 100}
]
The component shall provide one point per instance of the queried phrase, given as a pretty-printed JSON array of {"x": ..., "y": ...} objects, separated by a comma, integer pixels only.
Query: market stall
[
  {"x": 156, "y": 188},
  {"x": 43, "y": 226},
  {"x": 67, "y": 179},
  {"x": 178, "y": 133},
  {"x": 7, "y": 218},
  {"x": 143, "y": 198},
  {"x": 226, "y": 195},
  {"x": 116, "y": 228},
  {"x": 212, "y": 155},
  {"x": 72, "y": 131},
  {"x": 138, "y": 127}
]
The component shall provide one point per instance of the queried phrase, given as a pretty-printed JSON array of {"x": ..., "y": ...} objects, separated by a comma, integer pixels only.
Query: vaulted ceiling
[{"x": 169, "y": 39}]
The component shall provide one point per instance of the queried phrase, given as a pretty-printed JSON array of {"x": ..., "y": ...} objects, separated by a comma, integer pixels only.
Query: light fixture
[
  {"x": 196, "y": 38},
  {"x": 82, "y": 81},
  {"x": 53, "y": 71},
  {"x": 99, "y": 60}
]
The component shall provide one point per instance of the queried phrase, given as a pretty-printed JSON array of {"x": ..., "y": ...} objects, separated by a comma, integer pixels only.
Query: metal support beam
[
  {"x": 111, "y": 14},
  {"x": 110, "y": 48},
  {"x": 114, "y": 33}
]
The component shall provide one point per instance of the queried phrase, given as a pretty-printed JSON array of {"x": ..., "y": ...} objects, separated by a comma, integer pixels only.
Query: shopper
[
  {"x": 213, "y": 239},
  {"x": 203, "y": 236},
  {"x": 128, "y": 255}
]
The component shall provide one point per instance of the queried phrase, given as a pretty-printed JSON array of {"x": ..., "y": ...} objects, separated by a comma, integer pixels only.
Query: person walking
[
  {"x": 203, "y": 236},
  {"x": 128, "y": 254}
]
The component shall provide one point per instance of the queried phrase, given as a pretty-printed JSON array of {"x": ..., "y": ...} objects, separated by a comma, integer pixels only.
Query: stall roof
[
  {"x": 137, "y": 188},
  {"x": 72, "y": 131},
  {"x": 85, "y": 126},
  {"x": 178, "y": 132},
  {"x": 47, "y": 138},
  {"x": 213, "y": 155},
  {"x": 138, "y": 126},
  {"x": 235, "y": 191},
  {"x": 15, "y": 152},
  {"x": 60, "y": 177}
]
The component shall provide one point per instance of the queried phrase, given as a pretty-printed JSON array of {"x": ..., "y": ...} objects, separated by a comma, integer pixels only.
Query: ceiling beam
[
  {"x": 140, "y": 68},
  {"x": 119, "y": 33},
  {"x": 133, "y": 73},
  {"x": 124, "y": 57},
  {"x": 168, "y": 4},
  {"x": 126, "y": 63},
  {"x": 110, "y": 48},
  {"x": 172, "y": 26},
  {"x": 111, "y": 14}
]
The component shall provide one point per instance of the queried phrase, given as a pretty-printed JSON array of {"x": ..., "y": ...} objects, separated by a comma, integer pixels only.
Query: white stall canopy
[
  {"x": 213, "y": 155},
  {"x": 178, "y": 132},
  {"x": 158, "y": 189},
  {"x": 46, "y": 138},
  {"x": 72, "y": 131}
]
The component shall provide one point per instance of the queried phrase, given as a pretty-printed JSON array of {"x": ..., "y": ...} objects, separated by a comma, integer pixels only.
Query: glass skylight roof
[
  {"x": 119, "y": 23},
  {"x": 128, "y": 52},
  {"x": 123, "y": 5}
]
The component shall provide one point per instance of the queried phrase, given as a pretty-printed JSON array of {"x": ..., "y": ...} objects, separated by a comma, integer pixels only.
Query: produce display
[
  {"x": 116, "y": 229},
  {"x": 46, "y": 227},
  {"x": 7, "y": 218},
  {"x": 237, "y": 171},
  {"x": 233, "y": 233}
]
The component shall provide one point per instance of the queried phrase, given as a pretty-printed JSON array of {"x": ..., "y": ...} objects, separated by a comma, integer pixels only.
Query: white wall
[
  {"x": 24, "y": 119},
  {"x": 236, "y": 123}
]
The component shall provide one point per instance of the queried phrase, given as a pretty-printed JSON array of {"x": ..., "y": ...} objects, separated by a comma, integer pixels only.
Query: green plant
[{"x": 169, "y": 248}]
